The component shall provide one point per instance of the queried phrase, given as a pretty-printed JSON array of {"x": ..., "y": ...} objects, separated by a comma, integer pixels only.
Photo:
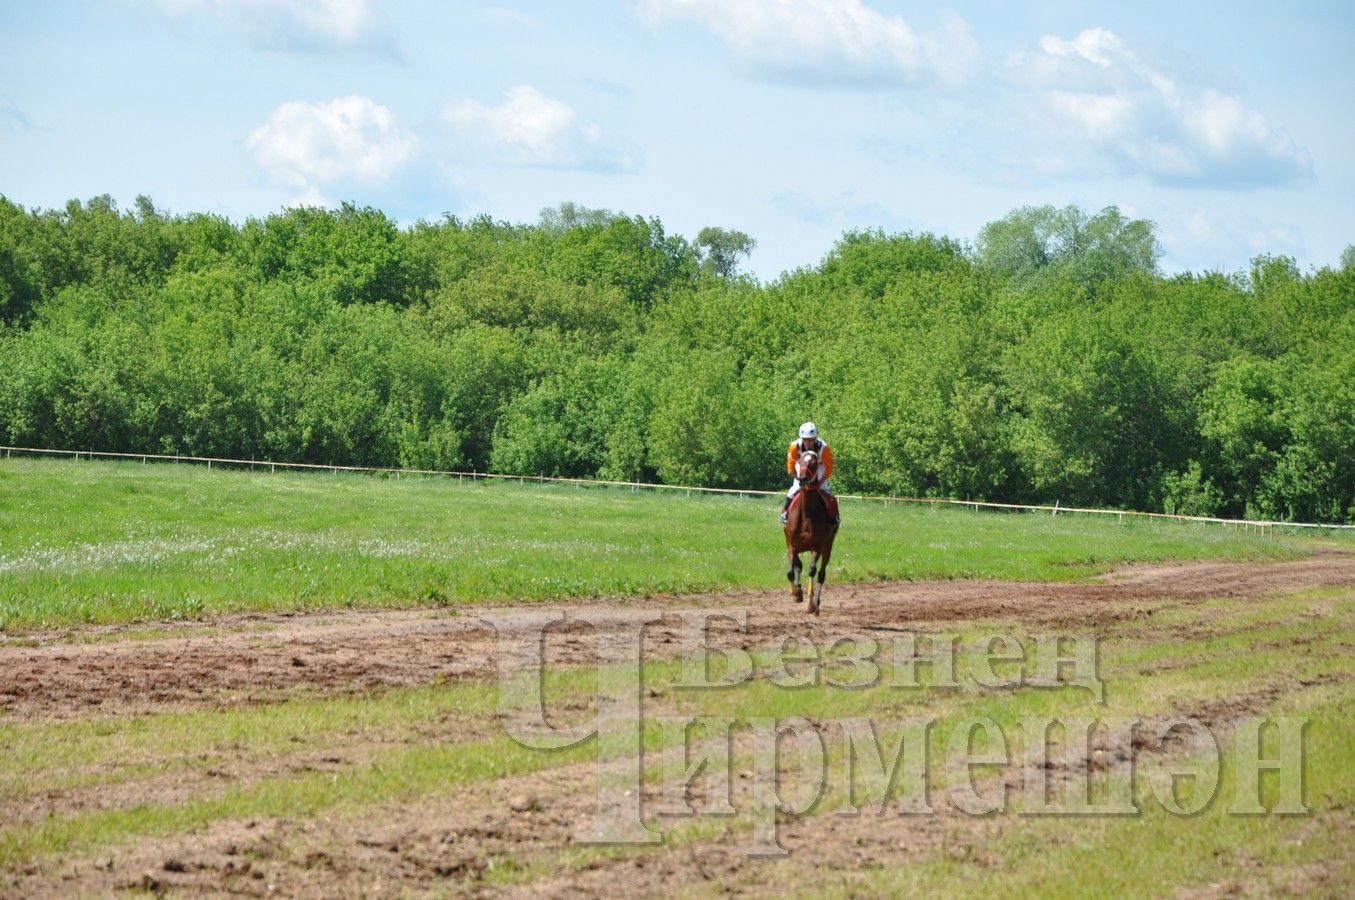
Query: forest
[{"x": 1047, "y": 360}]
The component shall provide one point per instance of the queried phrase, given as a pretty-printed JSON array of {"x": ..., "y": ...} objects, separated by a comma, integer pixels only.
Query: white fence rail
[{"x": 1263, "y": 525}]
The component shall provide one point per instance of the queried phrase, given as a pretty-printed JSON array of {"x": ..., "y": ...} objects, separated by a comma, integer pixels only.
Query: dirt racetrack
[
  {"x": 455, "y": 839},
  {"x": 258, "y": 658}
]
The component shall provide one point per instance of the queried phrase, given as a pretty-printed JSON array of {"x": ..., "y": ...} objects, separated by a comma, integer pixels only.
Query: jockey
[{"x": 809, "y": 440}]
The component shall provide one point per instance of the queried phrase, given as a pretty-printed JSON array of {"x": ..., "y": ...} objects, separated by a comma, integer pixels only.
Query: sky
[{"x": 1229, "y": 125}]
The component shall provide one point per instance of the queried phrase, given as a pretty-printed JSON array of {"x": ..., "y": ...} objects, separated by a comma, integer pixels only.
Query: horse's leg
[
  {"x": 817, "y": 589},
  {"x": 793, "y": 575},
  {"x": 813, "y": 563}
]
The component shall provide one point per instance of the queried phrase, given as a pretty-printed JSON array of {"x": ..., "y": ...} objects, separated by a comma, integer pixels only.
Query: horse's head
[{"x": 808, "y": 466}]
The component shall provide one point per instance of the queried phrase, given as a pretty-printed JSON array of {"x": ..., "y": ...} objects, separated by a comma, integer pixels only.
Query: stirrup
[{"x": 785, "y": 516}]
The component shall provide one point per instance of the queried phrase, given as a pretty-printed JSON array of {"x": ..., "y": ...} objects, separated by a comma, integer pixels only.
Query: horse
[{"x": 808, "y": 528}]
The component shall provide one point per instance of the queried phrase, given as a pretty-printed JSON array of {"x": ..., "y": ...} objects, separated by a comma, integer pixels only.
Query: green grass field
[
  {"x": 101, "y": 542},
  {"x": 350, "y": 783}
]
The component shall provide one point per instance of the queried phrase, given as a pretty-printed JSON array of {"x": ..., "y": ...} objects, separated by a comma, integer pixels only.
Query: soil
[
  {"x": 466, "y": 839},
  {"x": 265, "y": 658}
]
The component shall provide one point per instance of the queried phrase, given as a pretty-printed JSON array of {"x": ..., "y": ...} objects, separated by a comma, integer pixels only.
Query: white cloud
[
  {"x": 827, "y": 42},
  {"x": 1095, "y": 45},
  {"x": 295, "y": 25},
  {"x": 532, "y": 129},
  {"x": 1142, "y": 119},
  {"x": 340, "y": 142}
]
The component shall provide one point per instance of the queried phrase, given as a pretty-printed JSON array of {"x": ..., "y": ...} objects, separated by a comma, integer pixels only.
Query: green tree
[
  {"x": 1242, "y": 420},
  {"x": 1190, "y": 493},
  {"x": 721, "y": 249},
  {"x": 912, "y": 393},
  {"x": 1089, "y": 414},
  {"x": 1090, "y": 248},
  {"x": 561, "y": 424},
  {"x": 712, "y": 425},
  {"x": 870, "y": 260},
  {"x": 353, "y": 252},
  {"x": 634, "y": 255},
  {"x": 1052, "y": 363},
  {"x": 559, "y": 219},
  {"x": 19, "y": 289}
]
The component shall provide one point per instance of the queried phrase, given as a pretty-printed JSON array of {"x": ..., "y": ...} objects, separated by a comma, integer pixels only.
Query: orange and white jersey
[{"x": 820, "y": 447}]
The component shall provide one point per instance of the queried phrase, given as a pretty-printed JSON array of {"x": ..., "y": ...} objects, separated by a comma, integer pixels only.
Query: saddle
[{"x": 828, "y": 499}]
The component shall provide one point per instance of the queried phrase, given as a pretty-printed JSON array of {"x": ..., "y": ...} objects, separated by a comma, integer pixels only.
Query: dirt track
[
  {"x": 100, "y": 672},
  {"x": 259, "y": 658}
]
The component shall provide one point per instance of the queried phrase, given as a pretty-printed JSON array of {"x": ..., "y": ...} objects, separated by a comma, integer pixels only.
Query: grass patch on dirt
[{"x": 104, "y": 542}]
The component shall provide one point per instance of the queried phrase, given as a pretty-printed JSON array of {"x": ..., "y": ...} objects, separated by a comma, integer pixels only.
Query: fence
[{"x": 1265, "y": 526}]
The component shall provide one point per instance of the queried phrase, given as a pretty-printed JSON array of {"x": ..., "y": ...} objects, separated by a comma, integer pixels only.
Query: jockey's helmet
[{"x": 807, "y": 430}]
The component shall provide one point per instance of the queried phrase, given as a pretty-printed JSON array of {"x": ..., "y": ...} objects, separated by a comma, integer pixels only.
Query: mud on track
[{"x": 250, "y": 659}]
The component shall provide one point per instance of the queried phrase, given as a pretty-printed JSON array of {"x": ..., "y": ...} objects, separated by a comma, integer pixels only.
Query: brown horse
[{"x": 808, "y": 528}]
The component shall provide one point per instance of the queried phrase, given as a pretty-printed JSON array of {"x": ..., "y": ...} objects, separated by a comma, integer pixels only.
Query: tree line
[{"x": 1050, "y": 360}]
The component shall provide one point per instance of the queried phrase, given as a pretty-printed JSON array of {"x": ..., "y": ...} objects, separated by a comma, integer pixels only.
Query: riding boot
[{"x": 785, "y": 506}]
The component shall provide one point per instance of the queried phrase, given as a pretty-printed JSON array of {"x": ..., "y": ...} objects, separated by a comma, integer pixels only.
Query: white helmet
[{"x": 807, "y": 430}]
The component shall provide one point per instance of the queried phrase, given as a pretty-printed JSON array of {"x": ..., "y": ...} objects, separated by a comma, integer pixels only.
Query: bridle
[{"x": 809, "y": 465}]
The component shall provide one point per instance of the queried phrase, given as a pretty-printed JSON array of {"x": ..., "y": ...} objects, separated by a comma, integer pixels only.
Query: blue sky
[{"x": 1228, "y": 124}]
